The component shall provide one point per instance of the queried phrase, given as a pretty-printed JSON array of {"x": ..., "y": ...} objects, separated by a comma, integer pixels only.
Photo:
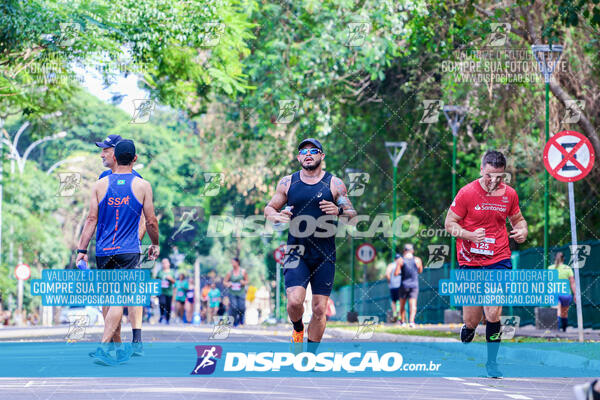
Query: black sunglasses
[{"x": 307, "y": 151}]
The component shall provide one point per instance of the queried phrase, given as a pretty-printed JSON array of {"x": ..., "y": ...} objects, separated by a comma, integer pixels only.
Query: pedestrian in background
[
  {"x": 181, "y": 287},
  {"x": 394, "y": 277},
  {"x": 411, "y": 267},
  {"x": 236, "y": 280},
  {"x": 564, "y": 300},
  {"x": 214, "y": 301},
  {"x": 166, "y": 291}
]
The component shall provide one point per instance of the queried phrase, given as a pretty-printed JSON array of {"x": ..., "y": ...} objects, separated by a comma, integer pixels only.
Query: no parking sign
[{"x": 568, "y": 156}]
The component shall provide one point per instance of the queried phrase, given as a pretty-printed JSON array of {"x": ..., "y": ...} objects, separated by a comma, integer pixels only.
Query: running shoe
[
  {"x": 492, "y": 370},
  {"x": 137, "y": 349},
  {"x": 411, "y": 325},
  {"x": 297, "y": 337},
  {"x": 297, "y": 342},
  {"x": 123, "y": 353},
  {"x": 103, "y": 358},
  {"x": 585, "y": 391}
]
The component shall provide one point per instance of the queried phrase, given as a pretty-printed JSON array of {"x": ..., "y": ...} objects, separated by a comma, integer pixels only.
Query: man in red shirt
[{"x": 477, "y": 218}]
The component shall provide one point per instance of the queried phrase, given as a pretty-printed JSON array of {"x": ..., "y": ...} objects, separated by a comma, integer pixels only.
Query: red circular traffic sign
[
  {"x": 366, "y": 253},
  {"x": 22, "y": 272},
  {"x": 568, "y": 156}
]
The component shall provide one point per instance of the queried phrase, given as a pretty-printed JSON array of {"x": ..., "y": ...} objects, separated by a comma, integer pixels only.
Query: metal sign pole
[
  {"x": 543, "y": 55},
  {"x": 575, "y": 257},
  {"x": 278, "y": 292},
  {"x": 19, "y": 319},
  {"x": 455, "y": 116},
  {"x": 399, "y": 149}
]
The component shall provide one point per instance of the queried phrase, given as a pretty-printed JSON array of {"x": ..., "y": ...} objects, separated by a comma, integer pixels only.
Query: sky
[{"x": 128, "y": 86}]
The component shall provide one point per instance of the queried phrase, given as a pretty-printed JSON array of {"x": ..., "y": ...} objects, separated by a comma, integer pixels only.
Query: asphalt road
[{"x": 199, "y": 387}]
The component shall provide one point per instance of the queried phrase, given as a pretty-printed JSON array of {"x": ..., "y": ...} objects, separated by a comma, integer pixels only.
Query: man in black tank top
[{"x": 315, "y": 200}]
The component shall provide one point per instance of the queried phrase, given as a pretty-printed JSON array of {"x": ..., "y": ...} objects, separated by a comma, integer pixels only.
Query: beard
[{"x": 312, "y": 167}]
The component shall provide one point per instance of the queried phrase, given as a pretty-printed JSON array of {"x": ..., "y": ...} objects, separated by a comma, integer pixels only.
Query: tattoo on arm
[
  {"x": 342, "y": 198},
  {"x": 342, "y": 201},
  {"x": 284, "y": 181}
]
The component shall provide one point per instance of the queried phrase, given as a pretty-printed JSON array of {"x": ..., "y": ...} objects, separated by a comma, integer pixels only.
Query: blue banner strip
[{"x": 332, "y": 359}]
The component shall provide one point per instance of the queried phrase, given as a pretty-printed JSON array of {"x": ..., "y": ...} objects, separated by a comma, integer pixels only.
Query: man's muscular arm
[
  {"x": 90, "y": 225},
  {"x": 520, "y": 230},
  {"x": 453, "y": 228},
  {"x": 340, "y": 196},
  {"x": 277, "y": 202}
]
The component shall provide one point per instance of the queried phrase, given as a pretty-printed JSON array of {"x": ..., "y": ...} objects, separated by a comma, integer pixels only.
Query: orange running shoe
[{"x": 297, "y": 337}]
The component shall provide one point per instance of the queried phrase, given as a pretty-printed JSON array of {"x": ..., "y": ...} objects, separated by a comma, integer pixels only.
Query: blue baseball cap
[{"x": 110, "y": 141}]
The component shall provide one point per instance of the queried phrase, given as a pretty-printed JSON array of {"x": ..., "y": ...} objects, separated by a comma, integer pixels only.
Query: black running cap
[
  {"x": 125, "y": 152},
  {"x": 311, "y": 141}
]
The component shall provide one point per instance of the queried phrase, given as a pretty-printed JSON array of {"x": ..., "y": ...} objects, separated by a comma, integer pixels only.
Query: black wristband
[
  {"x": 340, "y": 211},
  {"x": 81, "y": 251}
]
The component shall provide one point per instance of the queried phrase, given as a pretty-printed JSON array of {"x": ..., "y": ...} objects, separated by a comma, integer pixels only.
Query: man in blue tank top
[
  {"x": 117, "y": 202},
  {"x": 411, "y": 267},
  {"x": 135, "y": 314},
  {"x": 316, "y": 200}
]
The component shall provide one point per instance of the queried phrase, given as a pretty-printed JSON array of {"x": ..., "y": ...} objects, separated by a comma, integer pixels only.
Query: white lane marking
[
  {"x": 493, "y": 390},
  {"x": 454, "y": 379},
  {"x": 518, "y": 397},
  {"x": 29, "y": 384},
  {"x": 472, "y": 384}
]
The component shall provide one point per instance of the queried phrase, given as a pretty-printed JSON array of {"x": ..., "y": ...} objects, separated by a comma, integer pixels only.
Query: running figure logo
[
  {"x": 287, "y": 111},
  {"x": 437, "y": 255},
  {"x": 69, "y": 183},
  {"x": 581, "y": 253},
  {"x": 431, "y": 111},
  {"x": 499, "y": 34},
  {"x": 291, "y": 258},
  {"x": 145, "y": 261},
  {"x": 357, "y": 32},
  {"x": 573, "y": 110},
  {"x": 358, "y": 183},
  {"x": 498, "y": 177},
  {"x": 77, "y": 327},
  {"x": 186, "y": 215},
  {"x": 142, "y": 110},
  {"x": 212, "y": 34},
  {"x": 212, "y": 183},
  {"x": 509, "y": 326},
  {"x": 69, "y": 31},
  {"x": 207, "y": 359},
  {"x": 366, "y": 327},
  {"x": 222, "y": 327}
]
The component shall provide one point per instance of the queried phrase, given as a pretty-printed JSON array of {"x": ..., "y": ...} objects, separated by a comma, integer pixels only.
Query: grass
[{"x": 396, "y": 330}]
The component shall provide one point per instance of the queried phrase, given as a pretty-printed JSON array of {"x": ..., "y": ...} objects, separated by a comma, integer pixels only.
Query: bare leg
[
  {"x": 472, "y": 316},
  {"x": 492, "y": 313},
  {"x": 295, "y": 305},
  {"x": 412, "y": 305},
  {"x": 403, "y": 310},
  {"x": 135, "y": 316},
  {"x": 117, "y": 336},
  {"x": 318, "y": 321},
  {"x": 112, "y": 324},
  {"x": 564, "y": 311}
]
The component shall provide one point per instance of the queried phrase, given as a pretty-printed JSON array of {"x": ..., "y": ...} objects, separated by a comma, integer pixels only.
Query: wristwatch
[
  {"x": 340, "y": 211},
  {"x": 81, "y": 251}
]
